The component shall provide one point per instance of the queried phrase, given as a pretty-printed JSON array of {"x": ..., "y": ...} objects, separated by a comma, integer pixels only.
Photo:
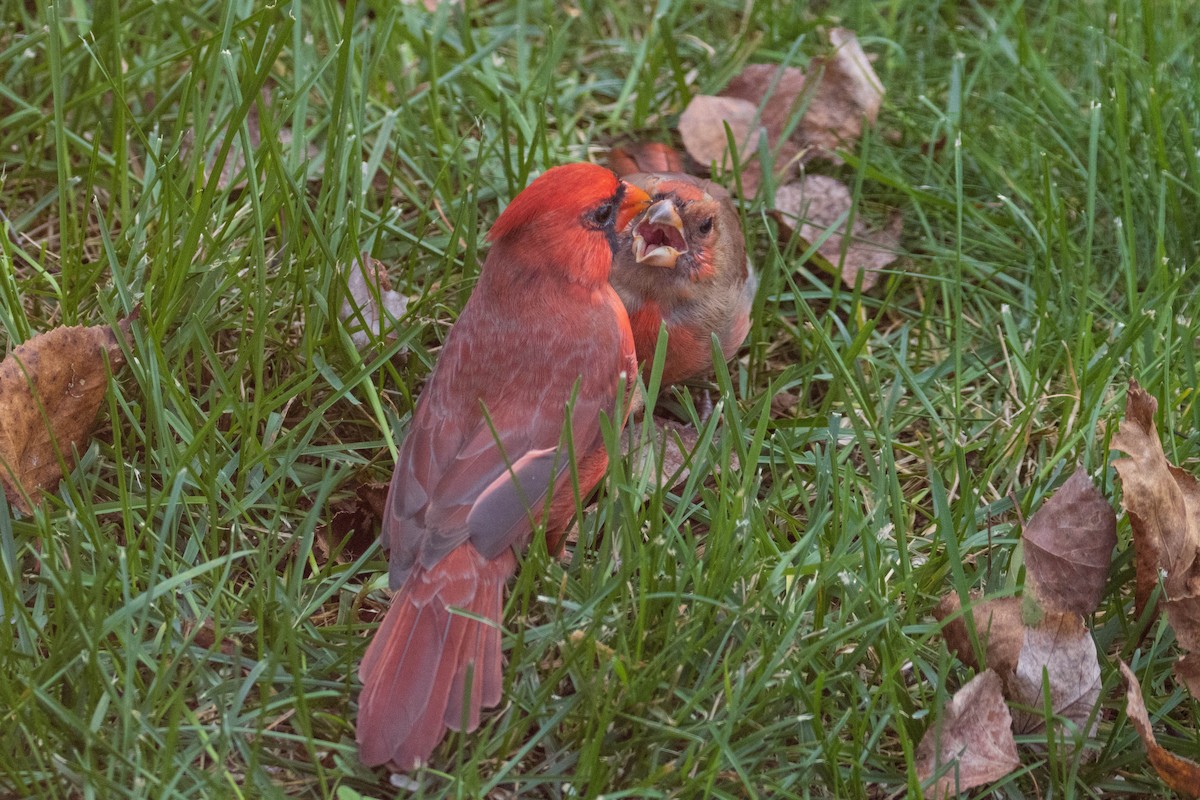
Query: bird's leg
[{"x": 705, "y": 407}]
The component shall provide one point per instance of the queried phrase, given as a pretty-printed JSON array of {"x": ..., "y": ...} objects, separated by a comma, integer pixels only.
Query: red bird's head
[{"x": 567, "y": 220}]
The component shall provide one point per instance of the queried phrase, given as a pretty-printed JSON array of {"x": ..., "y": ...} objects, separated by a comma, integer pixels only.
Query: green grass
[{"x": 764, "y": 631}]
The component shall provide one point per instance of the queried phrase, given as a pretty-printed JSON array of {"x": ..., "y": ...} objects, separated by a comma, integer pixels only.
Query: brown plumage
[
  {"x": 684, "y": 263},
  {"x": 484, "y": 461}
]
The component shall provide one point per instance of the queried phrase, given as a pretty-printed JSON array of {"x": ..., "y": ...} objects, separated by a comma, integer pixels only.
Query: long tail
[{"x": 416, "y": 669}]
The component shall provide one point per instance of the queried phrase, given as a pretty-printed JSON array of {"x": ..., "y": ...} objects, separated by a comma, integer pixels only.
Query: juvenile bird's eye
[
  {"x": 604, "y": 214},
  {"x": 706, "y": 225}
]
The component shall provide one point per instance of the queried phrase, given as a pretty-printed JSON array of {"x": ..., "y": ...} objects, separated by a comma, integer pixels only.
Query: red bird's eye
[
  {"x": 604, "y": 215},
  {"x": 706, "y": 226}
]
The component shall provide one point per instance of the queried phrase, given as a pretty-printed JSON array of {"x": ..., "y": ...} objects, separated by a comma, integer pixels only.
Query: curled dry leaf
[
  {"x": 1163, "y": 503},
  {"x": 1062, "y": 649},
  {"x": 51, "y": 388},
  {"x": 997, "y": 624},
  {"x": 1068, "y": 547},
  {"x": 370, "y": 307},
  {"x": 1177, "y": 772},
  {"x": 814, "y": 205},
  {"x": 972, "y": 742}
]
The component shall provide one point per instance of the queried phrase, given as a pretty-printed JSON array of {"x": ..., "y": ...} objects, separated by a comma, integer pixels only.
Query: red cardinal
[
  {"x": 683, "y": 263},
  {"x": 485, "y": 460}
]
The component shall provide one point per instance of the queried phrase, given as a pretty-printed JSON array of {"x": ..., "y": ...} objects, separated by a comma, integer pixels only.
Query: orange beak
[{"x": 634, "y": 202}]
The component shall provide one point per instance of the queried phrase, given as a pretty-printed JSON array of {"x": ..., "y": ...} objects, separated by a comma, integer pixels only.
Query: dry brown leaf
[
  {"x": 352, "y": 527},
  {"x": 815, "y": 204},
  {"x": 1062, "y": 648},
  {"x": 370, "y": 307},
  {"x": 205, "y": 636},
  {"x": 1163, "y": 503},
  {"x": 1187, "y": 671},
  {"x": 999, "y": 628},
  {"x": 702, "y": 127},
  {"x": 972, "y": 743},
  {"x": 1184, "y": 615},
  {"x": 664, "y": 457},
  {"x": 51, "y": 388},
  {"x": 1068, "y": 547},
  {"x": 644, "y": 157},
  {"x": 1177, "y": 772},
  {"x": 847, "y": 94}
]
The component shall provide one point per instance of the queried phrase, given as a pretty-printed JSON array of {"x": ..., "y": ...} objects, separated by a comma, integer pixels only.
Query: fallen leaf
[
  {"x": 1163, "y": 503},
  {"x": 51, "y": 388},
  {"x": 353, "y": 526},
  {"x": 813, "y": 206},
  {"x": 370, "y": 307},
  {"x": 232, "y": 171},
  {"x": 1187, "y": 671},
  {"x": 1062, "y": 650},
  {"x": 204, "y": 636},
  {"x": 644, "y": 157},
  {"x": 999, "y": 628},
  {"x": 1176, "y": 772},
  {"x": 663, "y": 457},
  {"x": 846, "y": 94},
  {"x": 702, "y": 127},
  {"x": 972, "y": 743},
  {"x": 1068, "y": 547}
]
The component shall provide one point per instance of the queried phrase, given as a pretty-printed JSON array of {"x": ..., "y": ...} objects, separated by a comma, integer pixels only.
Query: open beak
[
  {"x": 633, "y": 202},
  {"x": 658, "y": 238}
]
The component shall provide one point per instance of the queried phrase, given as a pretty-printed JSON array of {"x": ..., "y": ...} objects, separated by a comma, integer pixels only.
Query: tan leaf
[
  {"x": 814, "y": 205},
  {"x": 51, "y": 388},
  {"x": 1177, "y": 772},
  {"x": 998, "y": 626},
  {"x": 702, "y": 127},
  {"x": 1184, "y": 615},
  {"x": 1163, "y": 503},
  {"x": 972, "y": 742},
  {"x": 1187, "y": 671},
  {"x": 370, "y": 308},
  {"x": 1062, "y": 650},
  {"x": 1068, "y": 547}
]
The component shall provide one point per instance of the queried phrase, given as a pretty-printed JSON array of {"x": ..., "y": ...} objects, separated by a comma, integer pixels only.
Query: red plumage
[{"x": 484, "y": 461}]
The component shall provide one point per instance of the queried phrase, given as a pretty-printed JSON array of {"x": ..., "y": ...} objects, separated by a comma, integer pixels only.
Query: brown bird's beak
[
  {"x": 633, "y": 203},
  {"x": 658, "y": 239}
]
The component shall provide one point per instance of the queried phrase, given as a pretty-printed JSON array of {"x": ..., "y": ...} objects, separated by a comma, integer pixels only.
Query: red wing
[{"x": 483, "y": 478}]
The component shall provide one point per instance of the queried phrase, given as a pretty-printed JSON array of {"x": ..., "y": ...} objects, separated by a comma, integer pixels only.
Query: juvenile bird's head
[
  {"x": 691, "y": 229},
  {"x": 567, "y": 221}
]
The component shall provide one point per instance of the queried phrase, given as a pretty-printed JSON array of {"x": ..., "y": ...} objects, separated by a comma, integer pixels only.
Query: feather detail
[{"x": 414, "y": 670}]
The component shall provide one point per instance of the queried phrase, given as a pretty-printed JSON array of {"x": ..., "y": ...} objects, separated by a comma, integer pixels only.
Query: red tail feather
[{"x": 415, "y": 671}]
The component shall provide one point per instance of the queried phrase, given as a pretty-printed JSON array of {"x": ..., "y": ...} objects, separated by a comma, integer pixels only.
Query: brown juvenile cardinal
[
  {"x": 541, "y": 349},
  {"x": 683, "y": 263}
]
